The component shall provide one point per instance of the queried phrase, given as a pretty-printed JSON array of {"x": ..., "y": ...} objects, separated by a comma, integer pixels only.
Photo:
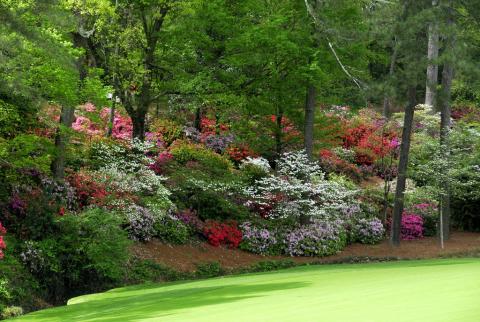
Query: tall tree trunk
[
  {"x": 61, "y": 138},
  {"x": 387, "y": 100},
  {"x": 310, "y": 103},
  {"x": 197, "y": 122},
  {"x": 67, "y": 115},
  {"x": 112, "y": 116},
  {"x": 432, "y": 55},
  {"x": 278, "y": 133},
  {"x": 445, "y": 125},
  {"x": 402, "y": 167}
]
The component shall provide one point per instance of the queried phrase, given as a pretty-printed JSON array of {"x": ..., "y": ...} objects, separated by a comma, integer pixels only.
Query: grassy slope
[{"x": 435, "y": 290}]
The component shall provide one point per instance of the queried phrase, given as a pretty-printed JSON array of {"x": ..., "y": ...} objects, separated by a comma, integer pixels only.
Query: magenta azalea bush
[{"x": 412, "y": 226}]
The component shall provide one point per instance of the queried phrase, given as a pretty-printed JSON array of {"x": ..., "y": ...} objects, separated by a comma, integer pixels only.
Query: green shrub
[
  {"x": 142, "y": 271},
  {"x": 208, "y": 159},
  {"x": 209, "y": 269},
  {"x": 28, "y": 151},
  {"x": 172, "y": 230},
  {"x": 11, "y": 312},
  {"x": 17, "y": 285},
  {"x": 88, "y": 253}
]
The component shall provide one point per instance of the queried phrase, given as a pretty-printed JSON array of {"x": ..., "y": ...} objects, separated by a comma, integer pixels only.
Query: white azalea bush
[{"x": 300, "y": 189}]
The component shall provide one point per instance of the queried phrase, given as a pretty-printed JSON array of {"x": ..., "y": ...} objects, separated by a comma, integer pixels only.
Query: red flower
[
  {"x": 222, "y": 233},
  {"x": 61, "y": 211}
]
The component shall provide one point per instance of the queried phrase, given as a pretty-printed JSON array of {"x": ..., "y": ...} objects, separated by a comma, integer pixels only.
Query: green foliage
[
  {"x": 142, "y": 271},
  {"x": 88, "y": 253},
  {"x": 11, "y": 312},
  {"x": 28, "y": 151},
  {"x": 208, "y": 269},
  {"x": 17, "y": 285},
  {"x": 207, "y": 158},
  {"x": 9, "y": 119},
  {"x": 172, "y": 230}
]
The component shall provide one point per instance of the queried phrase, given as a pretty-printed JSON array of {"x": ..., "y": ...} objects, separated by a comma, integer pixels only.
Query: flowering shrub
[
  {"x": 368, "y": 231},
  {"x": 316, "y": 239},
  {"x": 158, "y": 166},
  {"x": 259, "y": 162},
  {"x": 189, "y": 217},
  {"x": 412, "y": 226},
  {"x": 185, "y": 152},
  {"x": 430, "y": 216},
  {"x": 299, "y": 166},
  {"x": 166, "y": 130},
  {"x": 88, "y": 190},
  {"x": 299, "y": 190},
  {"x": 239, "y": 152},
  {"x": 3, "y": 246},
  {"x": 85, "y": 125},
  {"x": 259, "y": 240},
  {"x": 226, "y": 233},
  {"x": 218, "y": 143},
  {"x": 140, "y": 223},
  {"x": 331, "y": 163},
  {"x": 172, "y": 230}
]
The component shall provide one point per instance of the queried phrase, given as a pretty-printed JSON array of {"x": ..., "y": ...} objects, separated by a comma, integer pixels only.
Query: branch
[{"x": 317, "y": 24}]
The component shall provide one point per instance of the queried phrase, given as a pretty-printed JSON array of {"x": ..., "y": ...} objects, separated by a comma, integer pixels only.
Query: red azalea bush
[
  {"x": 369, "y": 136},
  {"x": 162, "y": 160},
  {"x": 88, "y": 190},
  {"x": 3, "y": 246},
  {"x": 330, "y": 162},
  {"x": 239, "y": 153},
  {"x": 226, "y": 233}
]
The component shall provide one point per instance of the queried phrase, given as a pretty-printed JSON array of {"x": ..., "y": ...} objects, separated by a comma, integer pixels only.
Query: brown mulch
[{"x": 185, "y": 257}]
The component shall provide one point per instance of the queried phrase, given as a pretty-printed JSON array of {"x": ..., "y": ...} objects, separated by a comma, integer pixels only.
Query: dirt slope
[{"x": 184, "y": 257}]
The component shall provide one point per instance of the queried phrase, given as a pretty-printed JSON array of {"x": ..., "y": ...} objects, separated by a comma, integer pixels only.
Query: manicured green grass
[{"x": 414, "y": 291}]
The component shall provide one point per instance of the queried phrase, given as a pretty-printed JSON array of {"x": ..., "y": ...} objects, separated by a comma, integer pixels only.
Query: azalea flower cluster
[
  {"x": 259, "y": 240},
  {"x": 319, "y": 238},
  {"x": 368, "y": 230},
  {"x": 411, "y": 226},
  {"x": 3, "y": 246},
  {"x": 258, "y": 162},
  {"x": 226, "y": 233}
]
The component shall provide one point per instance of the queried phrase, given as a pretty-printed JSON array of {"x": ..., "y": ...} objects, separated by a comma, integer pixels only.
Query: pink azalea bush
[
  {"x": 3, "y": 231},
  {"x": 412, "y": 226}
]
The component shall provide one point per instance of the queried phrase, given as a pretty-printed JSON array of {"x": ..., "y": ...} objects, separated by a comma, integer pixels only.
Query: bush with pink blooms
[
  {"x": 412, "y": 226},
  {"x": 3, "y": 246}
]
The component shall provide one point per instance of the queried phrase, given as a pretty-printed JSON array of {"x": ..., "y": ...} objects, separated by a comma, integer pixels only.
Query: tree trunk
[
  {"x": 309, "y": 119},
  {"x": 402, "y": 168},
  {"x": 445, "y": 125},
  {"x": 197, "y": 122},
  {"x": 68, "y": 114},
  {"x": 138, "y": 122},
  {"x": 432, "y": 55},
  {"x": 112, "y": 117},
  {"x": 278, "y": 133},
  {"x": 61, "y": 139}
]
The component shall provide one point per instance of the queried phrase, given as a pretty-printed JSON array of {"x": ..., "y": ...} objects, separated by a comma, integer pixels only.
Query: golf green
[{"x": 430, "y": 291}]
